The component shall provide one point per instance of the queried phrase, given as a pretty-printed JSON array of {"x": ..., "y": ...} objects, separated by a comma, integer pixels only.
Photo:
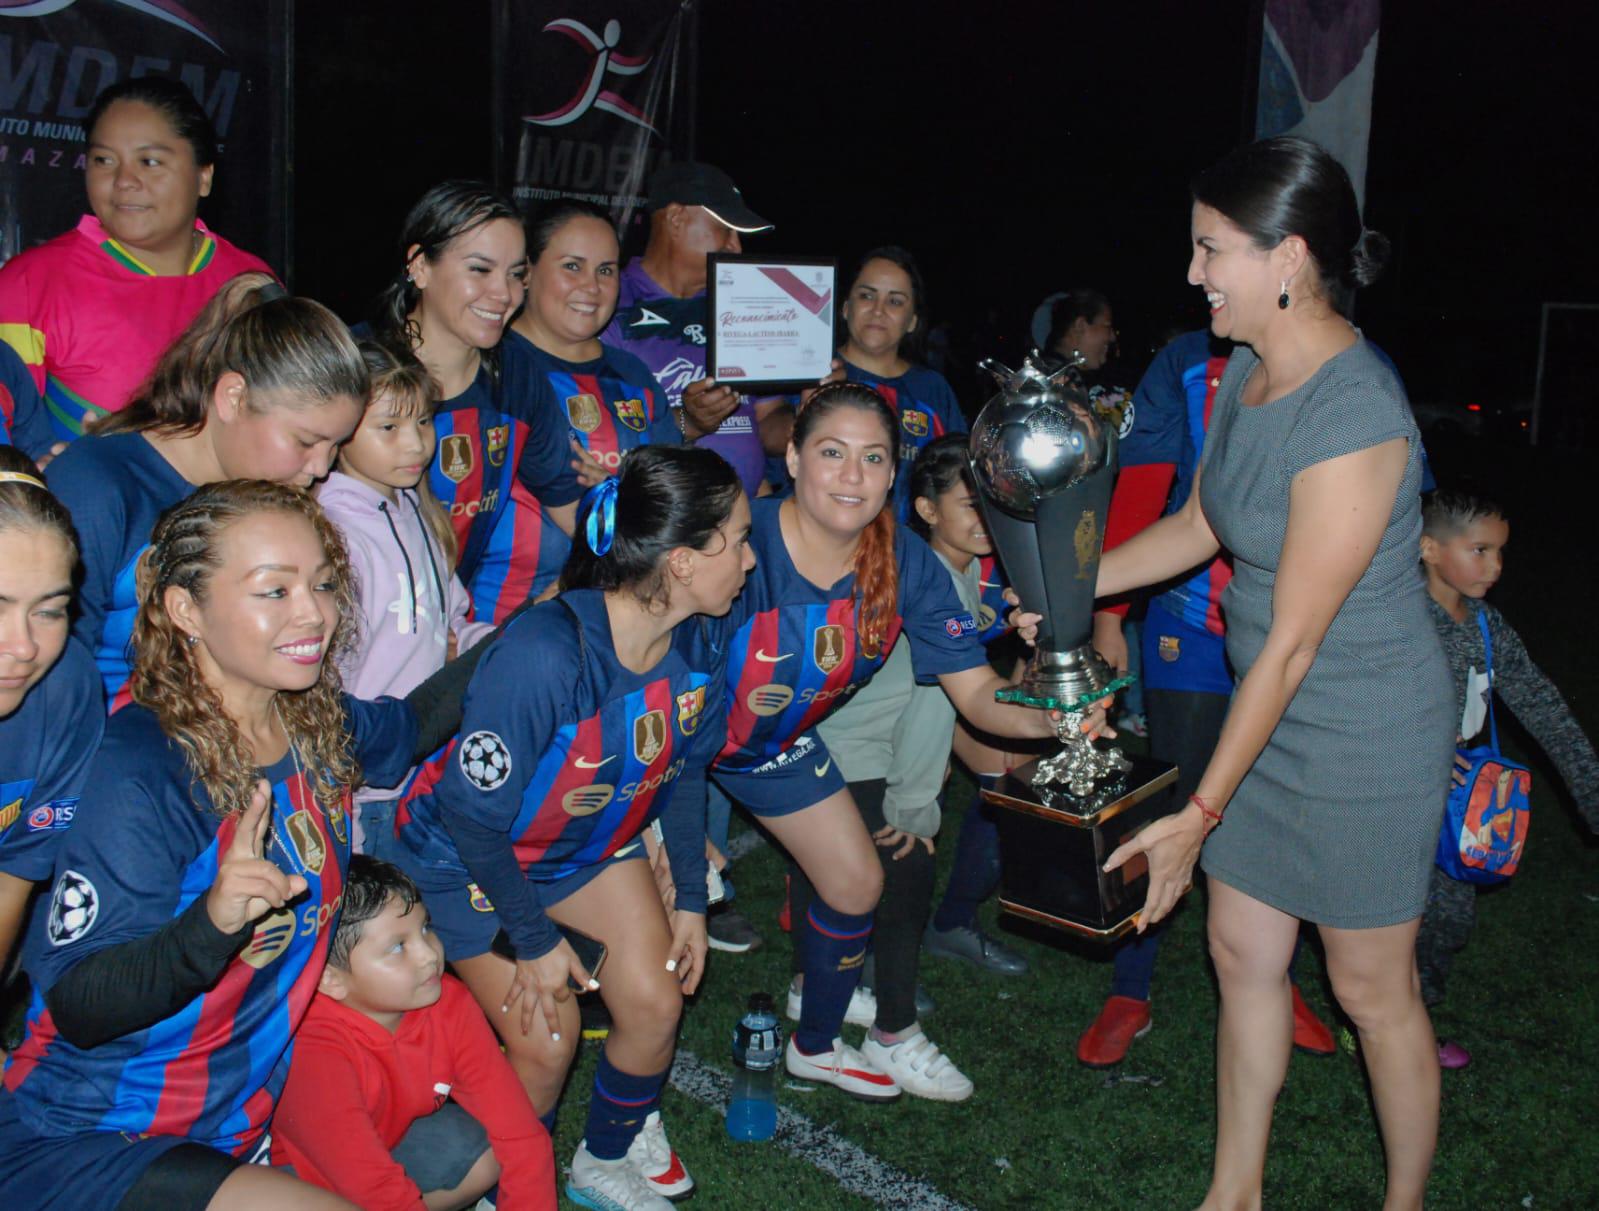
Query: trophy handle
[{"x": 997, "y": 370}]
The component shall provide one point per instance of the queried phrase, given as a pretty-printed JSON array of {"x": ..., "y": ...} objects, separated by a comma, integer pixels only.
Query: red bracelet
[{"x": 1204, "y": 809}]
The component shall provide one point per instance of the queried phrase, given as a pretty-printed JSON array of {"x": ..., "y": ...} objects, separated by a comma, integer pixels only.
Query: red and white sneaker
[
  {"x": 653, "y": 1158},
  {"x": 844, "y": 1067}
]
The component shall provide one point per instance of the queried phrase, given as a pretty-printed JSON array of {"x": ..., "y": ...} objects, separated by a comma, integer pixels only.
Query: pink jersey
[{"x": 90, "y": 319}]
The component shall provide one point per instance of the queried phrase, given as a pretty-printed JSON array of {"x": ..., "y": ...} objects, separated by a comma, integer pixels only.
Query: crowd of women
[{"x": 459, "y": 589}]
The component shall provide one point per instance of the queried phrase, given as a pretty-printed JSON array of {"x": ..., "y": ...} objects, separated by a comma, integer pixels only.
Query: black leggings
[
  {"x": 901, "y": 913},
  {"x": 184, "y": 1178}
]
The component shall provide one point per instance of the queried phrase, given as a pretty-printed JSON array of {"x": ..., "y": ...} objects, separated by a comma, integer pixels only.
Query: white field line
[{"x": 855, "y": 1169}]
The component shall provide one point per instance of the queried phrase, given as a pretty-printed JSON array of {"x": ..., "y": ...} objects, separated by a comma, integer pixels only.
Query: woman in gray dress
[{"x": 1333, "y": 765}]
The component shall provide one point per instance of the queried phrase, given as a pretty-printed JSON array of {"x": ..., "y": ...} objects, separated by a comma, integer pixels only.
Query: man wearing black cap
[{"x": 663, "y": 319}]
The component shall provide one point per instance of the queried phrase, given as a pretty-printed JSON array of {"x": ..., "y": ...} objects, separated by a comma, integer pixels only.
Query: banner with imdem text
[
  {"x": 56, "y": 55},
  {"x": 592, "y": 95}
]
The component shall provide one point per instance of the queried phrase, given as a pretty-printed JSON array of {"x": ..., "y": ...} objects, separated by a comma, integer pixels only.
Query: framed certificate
[{"x": 771, "y": 321}]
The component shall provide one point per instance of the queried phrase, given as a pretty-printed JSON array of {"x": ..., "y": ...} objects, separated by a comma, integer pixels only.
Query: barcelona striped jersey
[
  {"x": 146, "y": 845},
  {"x": 499, "y": 438},
  {"x": 46, "y": 745},
  {"x": 927, "y": 410},
  {"x": 796, "y": 656},
  {"x": 116, "y": 486},
  {"x": 90, "y": 319},
  {"x": 610, "y": 405}
]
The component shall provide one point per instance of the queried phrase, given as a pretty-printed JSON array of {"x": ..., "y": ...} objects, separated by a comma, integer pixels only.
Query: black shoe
[
  {"x": 730, "y": 931},
  {"x": 975, "y": 947}
]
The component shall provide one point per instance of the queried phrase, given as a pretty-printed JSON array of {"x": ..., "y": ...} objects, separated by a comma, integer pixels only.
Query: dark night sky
[{"x": 1021, "y": 147}]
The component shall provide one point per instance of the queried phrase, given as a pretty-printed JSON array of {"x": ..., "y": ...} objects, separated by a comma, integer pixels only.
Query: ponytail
[{"x": 251, "y": 327}]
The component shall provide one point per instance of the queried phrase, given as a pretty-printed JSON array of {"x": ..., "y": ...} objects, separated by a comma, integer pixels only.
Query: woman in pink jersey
[{"x": 91, "y": 311}]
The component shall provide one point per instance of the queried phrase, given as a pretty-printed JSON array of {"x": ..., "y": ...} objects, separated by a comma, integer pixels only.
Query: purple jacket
[{"x": 410, "y": 600}]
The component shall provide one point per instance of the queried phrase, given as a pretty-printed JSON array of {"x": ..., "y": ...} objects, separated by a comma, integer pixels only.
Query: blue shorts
[
  {"x": 71, "y": 1172},
  {"x": 800, "y": 776},
  {"x": 465, "y": 920}
]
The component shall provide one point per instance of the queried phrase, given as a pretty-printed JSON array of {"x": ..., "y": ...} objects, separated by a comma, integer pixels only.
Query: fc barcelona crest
[
  {"x": 689, "y": 706},
  {"x": 497, "y": 439},
  {"x": 649, "y": 735},
  {"x": 584, "y": 412},
  {"x": 631, "y": 413},
  {"x": 336, "y": 819},
  {"x": 827, "y": 647},
  {"x": 306, "y": 839},
  {"x": 913, "y": 422},
  {"x": 455, "y": 456}
]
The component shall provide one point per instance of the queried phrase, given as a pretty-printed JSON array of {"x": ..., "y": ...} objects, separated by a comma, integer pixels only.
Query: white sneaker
[
  {"x": 844, "y": 1067},
  {"x": 862, "y": 1009},
  {"x": 610, "y": 1185},
  {"x": 919, "y": 1067},
  {"x": 653, "y": 1159}
]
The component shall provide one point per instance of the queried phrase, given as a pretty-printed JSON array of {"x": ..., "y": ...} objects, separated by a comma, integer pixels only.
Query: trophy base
[{"x": 1052, "y": 845}]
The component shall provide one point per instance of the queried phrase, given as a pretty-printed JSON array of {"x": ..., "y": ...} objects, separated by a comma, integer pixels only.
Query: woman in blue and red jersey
[
  {"x": 884, "y": 316},
  {"x": 607, "y": 401},
  {"x": 260, "y": 386},
  {"x": 91, "y": 311},
  {"x": 51, "y": 713},
  {"x": 462, "y": 275},
  {"x": 197, "y": 891},
  {"x": 836, "y": 582},
  {"x": 594, "y": 715}
]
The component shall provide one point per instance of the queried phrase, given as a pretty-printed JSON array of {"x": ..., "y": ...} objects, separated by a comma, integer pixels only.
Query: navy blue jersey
[
  {"x": 569, "y": 753},
  {"x": 24, "y": 423},
  {"x": 927, "y": 409},
  {"x": 45, "y": 748},
  {"x": 795, "y": 658},
  {"x": 610, "y": 405},
  {"x": 144, "y": 845},
  {"x": 116, "y": 487}
]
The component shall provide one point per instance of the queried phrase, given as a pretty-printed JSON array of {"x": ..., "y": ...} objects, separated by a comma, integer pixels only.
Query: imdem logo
[{"x": 591, "y": 93}]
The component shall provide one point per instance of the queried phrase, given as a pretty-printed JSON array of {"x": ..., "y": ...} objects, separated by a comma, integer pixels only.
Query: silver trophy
[{"x": 1045, "y": 464}]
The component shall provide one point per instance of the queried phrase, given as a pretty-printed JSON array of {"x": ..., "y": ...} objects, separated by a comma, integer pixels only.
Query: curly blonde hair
[{"x": 185, "y": 552}]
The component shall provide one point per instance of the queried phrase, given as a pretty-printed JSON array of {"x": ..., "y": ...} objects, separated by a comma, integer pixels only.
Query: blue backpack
[{"x": 1486, "y": 820}]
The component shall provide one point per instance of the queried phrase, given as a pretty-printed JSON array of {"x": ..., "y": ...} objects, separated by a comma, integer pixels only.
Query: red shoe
[
  {"x": 783, "y": 921},
  {"x": 1311, "y": 1034},
  {"x": 1105, "y": 1043}
]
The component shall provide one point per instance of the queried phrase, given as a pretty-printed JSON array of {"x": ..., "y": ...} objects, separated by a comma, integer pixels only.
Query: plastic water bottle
[{"x": 757, "y": 1050}]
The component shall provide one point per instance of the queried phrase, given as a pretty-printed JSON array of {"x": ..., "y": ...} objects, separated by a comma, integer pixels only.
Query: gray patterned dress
[{"x": 1337, "y": 820}]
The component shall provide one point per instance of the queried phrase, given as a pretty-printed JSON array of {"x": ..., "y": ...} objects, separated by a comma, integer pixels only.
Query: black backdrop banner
[
  {"x": 56, "y": 55},
  {"x": 590, "y": 96}
]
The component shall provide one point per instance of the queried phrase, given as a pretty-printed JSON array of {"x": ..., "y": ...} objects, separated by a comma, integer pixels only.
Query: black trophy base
[{"x": 1052, "y": 845}]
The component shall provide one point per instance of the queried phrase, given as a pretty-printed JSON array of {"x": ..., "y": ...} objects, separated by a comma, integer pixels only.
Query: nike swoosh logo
[
  {"x": 582, "y": 764},
  {"x": 646, "y": 316},
  {"x": 821, "y": 770},
  {"x": 765, "y": 659}
]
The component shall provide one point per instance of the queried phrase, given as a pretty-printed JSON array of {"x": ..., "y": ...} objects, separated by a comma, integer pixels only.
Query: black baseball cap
[{"x": 691, "y": 183}]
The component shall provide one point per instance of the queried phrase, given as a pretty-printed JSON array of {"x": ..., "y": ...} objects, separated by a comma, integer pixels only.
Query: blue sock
[
  {"x": 832, "y": 946},
  {"x": 618, "y": 1107}
]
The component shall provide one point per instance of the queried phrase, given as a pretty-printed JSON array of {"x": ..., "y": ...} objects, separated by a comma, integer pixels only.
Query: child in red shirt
[{"x": 398, "y": 1096}]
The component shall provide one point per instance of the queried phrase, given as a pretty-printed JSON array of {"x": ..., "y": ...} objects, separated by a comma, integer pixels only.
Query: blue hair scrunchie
[{"x": 600, "y": 529}]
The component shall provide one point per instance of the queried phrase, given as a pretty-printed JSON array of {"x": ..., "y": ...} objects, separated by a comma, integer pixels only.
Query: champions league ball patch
[
  {"x": 73, "y": 907},
  {"x": 484, "y": 760}
]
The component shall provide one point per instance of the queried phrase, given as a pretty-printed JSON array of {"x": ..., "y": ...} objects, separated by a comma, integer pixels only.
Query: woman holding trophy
[{"x": 1332, "y": 765}]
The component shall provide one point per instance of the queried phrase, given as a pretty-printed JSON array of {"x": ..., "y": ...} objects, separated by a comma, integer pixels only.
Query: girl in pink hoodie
[{"x": 414, "y": 612}]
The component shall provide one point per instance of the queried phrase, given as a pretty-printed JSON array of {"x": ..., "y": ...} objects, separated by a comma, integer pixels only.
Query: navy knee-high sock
[
  {"x": 618, "y": 1107},
  {"x": 834, "y": 946}
]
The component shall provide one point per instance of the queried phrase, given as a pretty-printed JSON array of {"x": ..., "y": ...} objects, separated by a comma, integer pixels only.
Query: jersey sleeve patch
[
  {"x": 484, "y": 759},
  {"x": 74, "y": 906}
]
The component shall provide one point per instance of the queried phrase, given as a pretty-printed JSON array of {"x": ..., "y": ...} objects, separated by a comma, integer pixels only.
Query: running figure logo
[{"x": 606, "y": 61}]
